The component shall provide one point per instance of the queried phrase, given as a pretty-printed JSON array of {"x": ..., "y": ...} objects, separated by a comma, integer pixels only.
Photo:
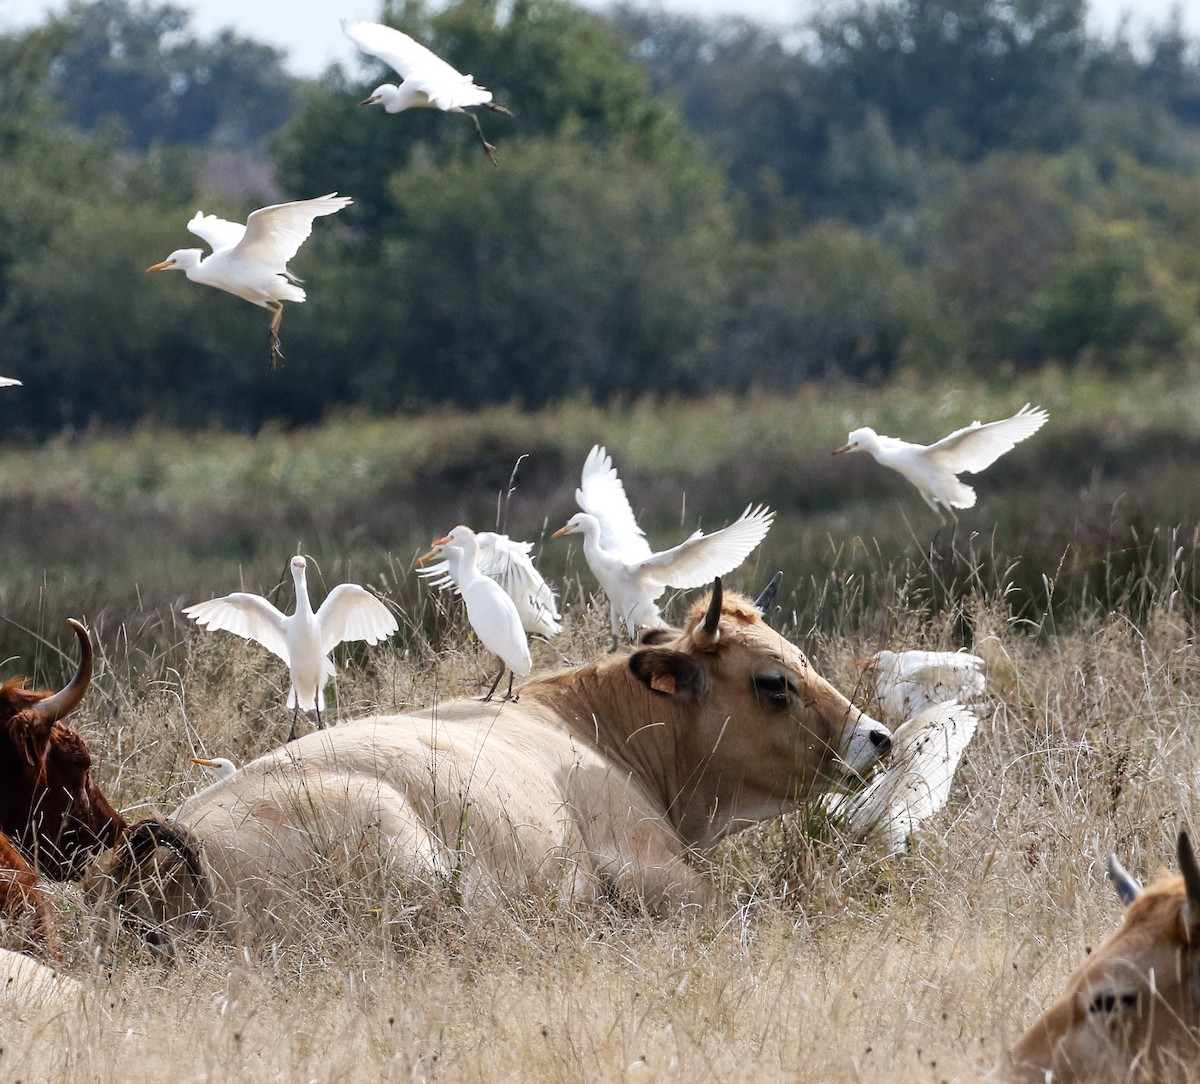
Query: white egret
[
  {"x": 9, "y": 382},
  {"x": 250, "y": 261},
  {"x": 221, "y": 767},
  {"x": 492, "y": 614},
  {"x": 508, "y": 563},
  {"x": 429, "y": 82},
  {"x": 632, "y": 575},
  {"x": 302, "y": 639},
  {"x": 903, "y": 683},
  {"x": 933, "y": 468},
  {"x": 914, "y": 784}
]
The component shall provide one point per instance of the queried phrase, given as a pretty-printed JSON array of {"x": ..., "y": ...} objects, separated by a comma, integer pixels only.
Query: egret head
[
  {"x": 218, "y": 766},
  {"x": 298, "y": 564},
  {"x": 860, "y": 440},
  {"x": 180, "y": 260},
  {"x": 577, "y": 524},
  {"x": 383, "y": 95}
]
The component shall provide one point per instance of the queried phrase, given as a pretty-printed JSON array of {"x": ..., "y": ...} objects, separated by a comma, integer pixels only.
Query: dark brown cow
[{"x": 49, "y": 804}]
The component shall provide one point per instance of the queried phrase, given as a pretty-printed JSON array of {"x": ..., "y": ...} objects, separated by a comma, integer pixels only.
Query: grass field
[{"x": 825, "y": 961}]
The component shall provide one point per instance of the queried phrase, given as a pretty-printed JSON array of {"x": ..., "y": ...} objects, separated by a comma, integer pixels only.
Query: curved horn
[
  {"x": 769, "y": 592},
  {"x": 1123, "y": 881},
  {"x": 66, "y": 700},
  {"x": 708, "y": 631},
  {"x": 1191, "y": 877}
]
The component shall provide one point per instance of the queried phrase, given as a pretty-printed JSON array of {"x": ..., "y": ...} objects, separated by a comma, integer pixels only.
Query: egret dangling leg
[
  {"x": 276, "y": 308},
  {"x": 491, "y": 151}
]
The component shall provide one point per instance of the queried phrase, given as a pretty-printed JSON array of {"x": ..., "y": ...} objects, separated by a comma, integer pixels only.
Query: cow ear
[
  {"x": 31, "y": 734},
  {"x": 669, "y": 673}
]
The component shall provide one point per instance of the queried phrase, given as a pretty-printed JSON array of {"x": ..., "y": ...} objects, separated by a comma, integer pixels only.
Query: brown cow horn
[
  {"x": 66, "y": 700},
  {"x": 768, "y": 596},
  {"x": 1123, "y": 881},
  {"x": 1191, "y": 877},
  {"x": 708, "y": 632}
]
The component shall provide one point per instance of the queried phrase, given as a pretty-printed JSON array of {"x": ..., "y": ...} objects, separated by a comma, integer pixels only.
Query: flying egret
[
  {"x": 508, "y": 563},
  {"x": 619, "y": 556},
  {"x": 251, "y": 260},
  {"x": 218, "y": 766},
  {"x": 933, "y": 468},
  {"x": 915, "y": 782},
  {"x": 492, "y": 614},
  {"x": 9, "y": 382},
  {"x": 904, "y": 683},
  {"x": 429, "y": 82},
  {"x": 302, "y": 639}
]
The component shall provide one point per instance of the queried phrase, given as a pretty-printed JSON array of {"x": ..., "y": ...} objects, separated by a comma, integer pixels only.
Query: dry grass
[{"x": 824, "y": 961}]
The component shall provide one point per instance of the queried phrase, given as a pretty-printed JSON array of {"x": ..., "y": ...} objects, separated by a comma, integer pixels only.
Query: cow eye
[
  {"x": 1107, "y": 1002},
  {"x": 775, "y": 689}
]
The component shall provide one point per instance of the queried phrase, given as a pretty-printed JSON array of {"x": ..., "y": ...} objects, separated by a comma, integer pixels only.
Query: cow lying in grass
[
  {"x": 604, "y": 781},
  {"x": 1131, "y": 1011}
]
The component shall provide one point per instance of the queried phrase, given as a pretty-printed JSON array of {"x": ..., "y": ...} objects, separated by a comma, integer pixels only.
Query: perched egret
[
  {"x": 619, "y": 556},
  {"x": 218, "y": 766},
  {"x": 302, "y": 639},
  {"x": 492, "y": 614},
  {"x": 9, "y": 382},
  {"x": 933, "y": 468},
  {"x": 915, "y": 782},
  {"x": 508, "y": 563},
  {"x": 251, "y": 260},
  {"x": 429, "y": 82},
  {"x": 903, "y": 683}
]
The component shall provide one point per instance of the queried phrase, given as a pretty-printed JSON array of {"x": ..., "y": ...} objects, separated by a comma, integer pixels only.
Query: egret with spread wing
[
  {"x": 508, "y": 563},
  {"x": 492, "y": 614},
  {"x": 251, "y": 260},
  {"x": 302, "y": 639},
  {"x": 429, "y": 82},
  {"x": 933, "y": 468},
  {"x": 905, "y": 683},
  {"x": 632, "y": 575}
]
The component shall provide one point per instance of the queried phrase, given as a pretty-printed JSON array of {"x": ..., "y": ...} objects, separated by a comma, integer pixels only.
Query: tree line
[{"x": 681, "y": 205}]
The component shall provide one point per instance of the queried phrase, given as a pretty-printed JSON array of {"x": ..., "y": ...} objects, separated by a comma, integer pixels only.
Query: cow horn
[
  {"x": 1123, "y": 881},
  {"x": 763, "y": 602},
  {"x": 66, "y": 700},
  {"x": 708, "y": 632},
  {"x": 1191, "y": 877}
]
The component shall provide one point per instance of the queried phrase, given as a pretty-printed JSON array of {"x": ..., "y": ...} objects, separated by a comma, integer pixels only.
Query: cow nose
[{"x": 882, "y": 741}]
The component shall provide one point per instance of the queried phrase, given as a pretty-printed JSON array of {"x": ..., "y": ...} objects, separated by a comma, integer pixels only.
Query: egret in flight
[
  {"x": 508, "y": 563},
  {"x": 933, "y": 468},
  {"x": 9, "y": 382},
  {"x": 251, "y": 260},
  {"x": 904, "y": 683},
  {"x": 302, "y": 639},
  {"x": 492, "y": 614},
  {"x": 632, "y": 575},
  {"x": 429, "y": 82}
]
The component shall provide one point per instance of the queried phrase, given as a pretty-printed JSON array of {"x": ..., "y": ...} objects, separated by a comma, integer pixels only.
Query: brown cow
[
  {"x": 25, "y": 912},
  {"x": 600, "y": 782},
  {"x": 1132, "y": 1010},
  {"x": 49, "y": 804}
]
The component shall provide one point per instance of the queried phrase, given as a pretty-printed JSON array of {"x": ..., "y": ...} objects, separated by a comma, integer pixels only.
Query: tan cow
[
  {"x": 603, "y": 781},
  {"x": 1131, "y": 1012}
]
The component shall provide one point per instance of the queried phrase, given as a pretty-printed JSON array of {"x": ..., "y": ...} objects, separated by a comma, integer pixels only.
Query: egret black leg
[
  {"x": 491, "y": 151},
  {"x": 499, "y": 675}
]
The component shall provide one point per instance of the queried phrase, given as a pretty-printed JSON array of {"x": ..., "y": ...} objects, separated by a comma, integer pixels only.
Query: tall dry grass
[{"x": 824, "y": 960}]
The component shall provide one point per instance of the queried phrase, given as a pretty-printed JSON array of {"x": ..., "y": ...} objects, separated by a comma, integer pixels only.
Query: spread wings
[
  {"x": 601, "y": 494},
  {"x": 698, "y": 559},
  {"x": 978, "y": 445},
  {"x": 351, "y": 612},
  {"x": 246, "y": 615},
  {"x": 272, "y": 235}
]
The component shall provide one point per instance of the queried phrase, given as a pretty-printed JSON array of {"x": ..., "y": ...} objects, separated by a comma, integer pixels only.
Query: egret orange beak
[
  {"x": 844, "y": 448},
  {"x": 435, "y": 552},
  {"x": 206, "y": 763},
  {"x": 160, "y": 266},
  {"x": 562, "y": 531}
]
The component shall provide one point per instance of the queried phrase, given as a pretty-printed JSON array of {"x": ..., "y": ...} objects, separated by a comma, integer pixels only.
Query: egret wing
[
  {"x": 274, "y": 234},
  {"x": 351, "y": 612},
  {"x": 602, "y": 495},
  {"x": 220, "y": 233},
  {"x": 509, "y": 564},
  {"x": 9, "y": 382},
  {"x": 700, "y": 558},
  {"x": 438, "y": 575},
  {"x": 406, "y": 55},
  {"x": 978, "y": 445},
  {"x": 243, "y": 614},
  {"x": 915, "y": 784}
]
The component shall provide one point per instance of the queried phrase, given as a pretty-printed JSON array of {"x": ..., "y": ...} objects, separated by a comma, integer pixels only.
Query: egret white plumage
[
  {"x": 9, "y": 382},
  {"x": 632, "y": 575},
  {"x": 221, "y": 767},
  {"x": 904, "y": 683},
  {"x": 492, "y": 614},
  {"x": 251, "y": 261},
  {"x": 915, "y": 782},
  {"x": 508, "y": 563},
  {"x": 933, "y": 468},
  {"x": 429, "y": 82},
  {"x": 302, "y": 639}
]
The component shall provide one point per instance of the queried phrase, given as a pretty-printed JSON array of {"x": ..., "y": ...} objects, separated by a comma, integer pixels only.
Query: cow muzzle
[{"x": 865, "y": 745}]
